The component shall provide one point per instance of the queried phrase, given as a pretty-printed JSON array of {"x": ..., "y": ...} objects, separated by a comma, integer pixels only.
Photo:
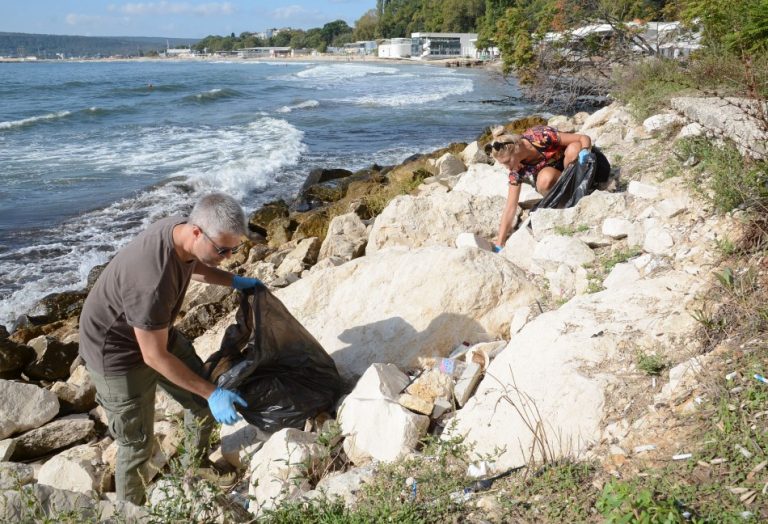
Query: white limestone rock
[
  {"x": 6, "y": 449},
  {"x": 484, "y": 180},
  {"x": 346, "y": 238},
  {"x": 624, "y": 274},
  {"x": 240, "y": 441},
  {"x": 374, "y": 424},
  {"x": 279, "y": 469},
  {"x": 398, "y": 305},
  {"x": 473, "y": 154},
  {"x": 645, "y": 191},
  {"x": 412, "y": 222},
  {"x": 658, "y": 241},
  {"x": 300, "y": 258},
  {"x": 520, "y": 247},
  {"x": 74, "y": 470},
  {"x": 572, "y": 344},
  {"x": 347, "y": 485},
  {"x": 447, "y": 165},
  {"x": 554, "y": 250},
  {"x": 691, "y": 130},
  {"x": 468, "y": 240},
  {"x": 662, "y": 123},
  {"x": 616, "y": 228},
  {"x": 24, "y": 406},
  {"x": 562, "y": 123}
]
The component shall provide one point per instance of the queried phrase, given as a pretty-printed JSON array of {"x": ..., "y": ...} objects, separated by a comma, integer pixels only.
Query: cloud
[
  {"x": 174, "y": 8},
  {"x": 289, "y": 11},
  {"x": 75, "y": 19}
]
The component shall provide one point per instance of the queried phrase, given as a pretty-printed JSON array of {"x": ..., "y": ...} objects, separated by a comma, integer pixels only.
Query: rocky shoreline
[{"x": 389, "y": 269}]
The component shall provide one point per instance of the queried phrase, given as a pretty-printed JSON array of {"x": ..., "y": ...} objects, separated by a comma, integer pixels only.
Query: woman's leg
[{"x": 546, "y": 179}]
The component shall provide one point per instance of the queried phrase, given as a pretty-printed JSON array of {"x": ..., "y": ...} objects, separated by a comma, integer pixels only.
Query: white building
[
  {"x": 395, "y": 48},
  {"x": 362, "y": 47},
  {"x": 443, "y": 45},
  {"x": 264, "y": 52}
]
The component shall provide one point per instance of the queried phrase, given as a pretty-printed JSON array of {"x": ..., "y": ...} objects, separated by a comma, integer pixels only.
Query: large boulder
[
  {"x": 53, "y": 358},
  {"x": 76, "y": 469},
  {"x": 24, "y": 406},
  {"x": 14, "y": 357},
  {"x": 547, "y": 393},
  {"x": 415, "y": 221},
  {"x": 396, "y": 306}
]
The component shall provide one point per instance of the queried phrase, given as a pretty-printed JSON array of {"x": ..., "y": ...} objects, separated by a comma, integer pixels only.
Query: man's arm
[
  {"x": 154, "y": 350},
  {"x": 211, "y": 275}
]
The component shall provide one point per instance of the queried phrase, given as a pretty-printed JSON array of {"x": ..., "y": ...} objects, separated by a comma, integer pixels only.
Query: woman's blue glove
[
  {"x": 497, "y": 248},
  {"x": 583, "y": 154},
  {"x": 245, "y": 283},
  {"x": 222, "y": 403}
]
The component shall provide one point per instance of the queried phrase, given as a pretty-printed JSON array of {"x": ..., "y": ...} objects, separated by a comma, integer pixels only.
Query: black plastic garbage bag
[
  {"x": 577, "y": 181},
  {"x": 275, "y": 364}
]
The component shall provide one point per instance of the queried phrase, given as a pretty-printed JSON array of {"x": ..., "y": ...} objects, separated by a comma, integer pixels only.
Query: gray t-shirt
[{"x": 143, "y": 286}]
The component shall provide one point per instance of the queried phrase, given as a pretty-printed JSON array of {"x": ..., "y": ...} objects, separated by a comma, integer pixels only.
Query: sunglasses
[
  {"x": 498, "y": 145},
  {"x": 222, "y": 251}
]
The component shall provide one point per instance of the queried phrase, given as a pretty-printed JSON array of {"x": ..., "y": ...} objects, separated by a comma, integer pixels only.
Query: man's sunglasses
[{"x": 222, "y": 251}]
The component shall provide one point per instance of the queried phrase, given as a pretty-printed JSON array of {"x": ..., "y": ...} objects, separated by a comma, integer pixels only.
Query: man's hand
[
  {"x": 246, "y": 283},
  {"x": 583, "y": 154},
  {"x": 222, "y": 403}
]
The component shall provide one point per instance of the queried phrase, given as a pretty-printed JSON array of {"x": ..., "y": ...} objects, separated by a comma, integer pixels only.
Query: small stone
[
  {"x": 644, "y": 448},
  {"x": 417, "y": 404}
]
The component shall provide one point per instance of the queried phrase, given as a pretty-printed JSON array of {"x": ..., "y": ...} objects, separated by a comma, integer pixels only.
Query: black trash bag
[
  {"x": 275, "y": 364},
  {"x": 577, "y": 181}
]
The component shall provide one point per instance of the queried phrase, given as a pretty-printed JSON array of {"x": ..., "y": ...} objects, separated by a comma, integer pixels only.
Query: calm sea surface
[{"x": 90, "y": 153}]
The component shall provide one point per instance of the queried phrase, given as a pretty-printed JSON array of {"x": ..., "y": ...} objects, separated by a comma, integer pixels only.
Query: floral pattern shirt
[{"x": 546, "y": 140}]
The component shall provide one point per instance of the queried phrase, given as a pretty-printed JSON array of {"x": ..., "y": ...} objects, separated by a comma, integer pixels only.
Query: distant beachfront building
[
  {"x": 443, "y": 45},
  {"x": 264, "y": 52},
  {"x": 178, "y": 53},
  {"x": 362, "y": 47},
  {"x": 395, "y": 48}
]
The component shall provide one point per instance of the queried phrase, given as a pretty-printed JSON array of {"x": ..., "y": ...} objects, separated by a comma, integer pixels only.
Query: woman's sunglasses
[{"x": 496, "y": 146}]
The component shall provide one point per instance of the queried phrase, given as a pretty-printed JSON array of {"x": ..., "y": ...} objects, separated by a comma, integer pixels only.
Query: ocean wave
[
  {"x": 301, "y": 105},
  {"x": 409, "y": 98},
  {"x": 336, "y": 73},
  {"x": 12, "y": 124},
  {"x": 212, "y": 95}
]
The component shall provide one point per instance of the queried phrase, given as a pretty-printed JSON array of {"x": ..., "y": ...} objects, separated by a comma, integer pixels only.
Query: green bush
[{"x": 647, "y": 86}]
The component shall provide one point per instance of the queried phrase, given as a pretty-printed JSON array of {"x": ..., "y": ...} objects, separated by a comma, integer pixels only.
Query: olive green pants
[{"x": 129, "y": 401}]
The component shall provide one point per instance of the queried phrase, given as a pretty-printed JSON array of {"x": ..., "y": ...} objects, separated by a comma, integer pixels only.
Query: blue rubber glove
[
  {"x": 583, "y": 154},
  {"x": 245, "y": 283},
  {"x": 497, "y": 248},
  {"x": 222, "y": 403}
]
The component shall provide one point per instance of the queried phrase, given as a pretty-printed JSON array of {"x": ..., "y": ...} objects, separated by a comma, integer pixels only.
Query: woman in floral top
[{"x": 540, "y": 154}]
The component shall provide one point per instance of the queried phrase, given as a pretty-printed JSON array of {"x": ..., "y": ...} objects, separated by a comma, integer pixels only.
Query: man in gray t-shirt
[{"x": 127, "y": 338}]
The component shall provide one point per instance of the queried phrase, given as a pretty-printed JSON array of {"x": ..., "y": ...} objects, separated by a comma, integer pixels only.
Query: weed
[
  {"x": 651, "y": 363},
  {"x": 726, "y": 246},
  {"x": 569, "y": 231},
  {"x": 624, "y": 502},
  {"x": 619, "y": 257}
]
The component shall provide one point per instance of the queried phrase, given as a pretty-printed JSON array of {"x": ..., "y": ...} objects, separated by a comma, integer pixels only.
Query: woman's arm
[
  {"x": 583, "y": 141},
  {"x": 509, "y": 215}
]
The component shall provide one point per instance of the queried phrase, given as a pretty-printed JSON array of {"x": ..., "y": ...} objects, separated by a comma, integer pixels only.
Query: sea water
[{"x": 93, "y": 152}]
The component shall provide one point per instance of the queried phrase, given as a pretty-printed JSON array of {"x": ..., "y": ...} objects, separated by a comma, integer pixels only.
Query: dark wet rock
[
  {"x": 58, "y": 306},
  {"x": 260, "y": 219},
  {"x": 280, "y": 231},
  {"x": 53, "y": 359},
  {"x": 318, "y": 176},
  {"x": 13, "y": 358}
]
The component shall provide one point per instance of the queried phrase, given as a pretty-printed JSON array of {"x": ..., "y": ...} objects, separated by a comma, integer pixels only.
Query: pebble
[
  {"x": 682, "y": 456},
  {"x": 644, "y": 448}
]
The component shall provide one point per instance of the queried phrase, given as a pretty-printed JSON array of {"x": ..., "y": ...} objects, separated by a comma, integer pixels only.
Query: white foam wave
[
  {"x": 409, "y": 98},
  {"x": 34, "y": 119},
  {"x": 301, "y": 105},
  {"x": 342, "y": 72}
]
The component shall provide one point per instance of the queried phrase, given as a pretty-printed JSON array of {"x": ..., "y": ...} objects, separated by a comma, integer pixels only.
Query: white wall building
[{"x": 395, "y": 48}]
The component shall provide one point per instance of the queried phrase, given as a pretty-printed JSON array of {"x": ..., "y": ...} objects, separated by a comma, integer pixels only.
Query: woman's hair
[
  {"x": 218, "y": 214},
  {"x": 502, "y": 144}
]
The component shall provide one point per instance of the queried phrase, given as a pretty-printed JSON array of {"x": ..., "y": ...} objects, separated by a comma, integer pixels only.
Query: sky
[{"x": 173, "y": 18}]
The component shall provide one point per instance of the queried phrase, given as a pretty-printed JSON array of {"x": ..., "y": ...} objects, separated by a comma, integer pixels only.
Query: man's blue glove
[
  {"x": 245, "y": 283},
  {"x": 583, "y": 154},
  {"x": 497, "y": 248},
  {"x": 222, "y": 403}
]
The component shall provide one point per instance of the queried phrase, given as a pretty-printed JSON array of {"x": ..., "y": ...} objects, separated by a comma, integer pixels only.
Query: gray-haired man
[{"x": 128, "y": 343}]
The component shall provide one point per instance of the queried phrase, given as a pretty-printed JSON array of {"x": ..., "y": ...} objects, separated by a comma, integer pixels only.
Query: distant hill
[{"x": 48, "y": 46}]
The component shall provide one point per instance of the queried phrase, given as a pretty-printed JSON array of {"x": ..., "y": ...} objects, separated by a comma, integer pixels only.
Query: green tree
[{"x": 365, "y": 26}]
